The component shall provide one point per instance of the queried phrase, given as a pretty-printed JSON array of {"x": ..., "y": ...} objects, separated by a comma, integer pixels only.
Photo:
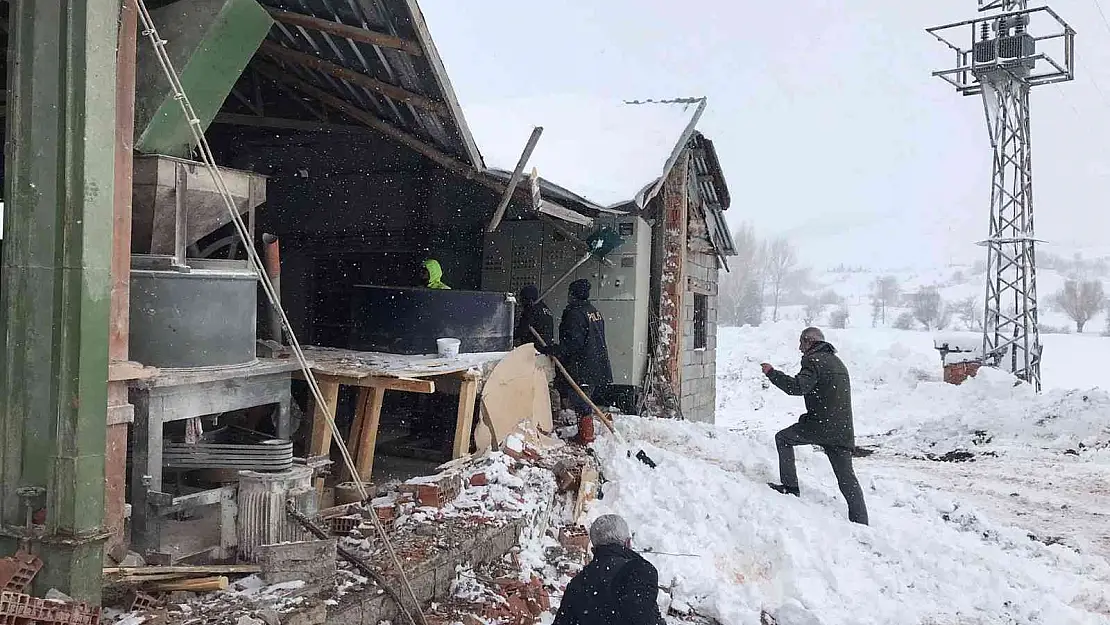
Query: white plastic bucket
[{"x": 448, "y": 348}]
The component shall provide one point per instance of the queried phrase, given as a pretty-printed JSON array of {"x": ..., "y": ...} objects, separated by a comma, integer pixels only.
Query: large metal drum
[
  {"x": 204, "y": 317},
  {"x": 408, "y": 321}
]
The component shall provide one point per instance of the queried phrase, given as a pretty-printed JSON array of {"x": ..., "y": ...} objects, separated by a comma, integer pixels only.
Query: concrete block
[
  {"x": 316, "y": 614},
  {"x": 312, "y": 560}
]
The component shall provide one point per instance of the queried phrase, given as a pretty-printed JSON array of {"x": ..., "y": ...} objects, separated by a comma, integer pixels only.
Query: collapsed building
[{"x": 150, "y": 401}]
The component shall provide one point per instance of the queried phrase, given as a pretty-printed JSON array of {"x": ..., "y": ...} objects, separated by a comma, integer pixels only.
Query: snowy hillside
[
  {"x": 1014, "y": 533},
  {"x": 955, "y": 283}
]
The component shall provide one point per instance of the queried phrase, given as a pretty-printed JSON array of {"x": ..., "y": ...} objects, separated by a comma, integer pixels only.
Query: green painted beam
[
  {"x": 210, "y": 43},
  {"x": 56, "y": 282}
]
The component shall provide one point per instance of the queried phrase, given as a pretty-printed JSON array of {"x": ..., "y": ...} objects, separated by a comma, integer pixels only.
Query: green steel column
[{"x": 56, "y": 284}]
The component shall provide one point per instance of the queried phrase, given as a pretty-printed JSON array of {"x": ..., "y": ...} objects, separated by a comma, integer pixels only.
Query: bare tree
[
  {"x": 904, "y": 321},
  {"x": 1080, "y": 301},
  {"x": 812, "y": 311},
  {"x": 741, "y": 288},
  {"x": 927, "y": 307},
  {"x": 839, "y": 318},
  {"x": 782, "y": 262},
  {"x": 884, "y": 294},
  {"x": 751, "y": 305},
  {"x": 969, "y": 312}
]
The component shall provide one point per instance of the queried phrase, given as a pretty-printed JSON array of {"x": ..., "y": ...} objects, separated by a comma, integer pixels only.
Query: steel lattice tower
[{"x": 1002, "y": 64}]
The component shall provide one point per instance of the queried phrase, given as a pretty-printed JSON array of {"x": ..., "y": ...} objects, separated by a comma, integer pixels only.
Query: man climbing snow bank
[{"x": 823, "y": 381}]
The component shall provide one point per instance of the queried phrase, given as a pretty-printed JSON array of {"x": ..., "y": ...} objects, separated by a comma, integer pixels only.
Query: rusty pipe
[{"x": 272, "y": 260}]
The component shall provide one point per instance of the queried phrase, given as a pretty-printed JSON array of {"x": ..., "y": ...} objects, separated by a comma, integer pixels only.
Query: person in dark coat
[
  {"x": 617, "y": 587},
  {"x": 535, "y": 314},
  {"x": 824, "y": 383},
  {"x": 582, "y": 348}
]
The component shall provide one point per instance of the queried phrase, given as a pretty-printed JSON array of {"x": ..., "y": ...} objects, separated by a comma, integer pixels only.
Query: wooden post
[
  {"x": 369, "y": 418},
  {"x": 320, "y": 444},
  {"x": 120, "y": 411},
  {"x": 464, "y": 423}
]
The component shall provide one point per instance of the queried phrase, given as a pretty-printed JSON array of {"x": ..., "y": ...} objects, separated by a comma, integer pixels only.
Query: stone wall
[{"x": 699, "y": 364}]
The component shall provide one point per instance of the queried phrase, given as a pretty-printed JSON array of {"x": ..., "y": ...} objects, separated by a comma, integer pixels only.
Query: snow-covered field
[{"x": 1019, "y": 534}]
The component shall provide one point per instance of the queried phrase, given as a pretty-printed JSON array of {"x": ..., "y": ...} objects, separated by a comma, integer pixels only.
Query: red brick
[
  {"x": 479, "y": 479},
  {"x": 574, "y": 537},
  {"x": 519, "y": 612}
]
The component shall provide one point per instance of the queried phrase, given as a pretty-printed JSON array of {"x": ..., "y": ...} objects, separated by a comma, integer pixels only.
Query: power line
[{"x": 1105, "y": 22}]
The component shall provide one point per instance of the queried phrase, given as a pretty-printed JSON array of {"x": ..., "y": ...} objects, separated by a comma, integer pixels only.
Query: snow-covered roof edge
[{"x": 652, "y": 189}]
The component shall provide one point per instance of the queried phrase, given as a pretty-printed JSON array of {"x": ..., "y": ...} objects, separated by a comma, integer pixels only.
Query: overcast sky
[{"x": 829, "y": 126}]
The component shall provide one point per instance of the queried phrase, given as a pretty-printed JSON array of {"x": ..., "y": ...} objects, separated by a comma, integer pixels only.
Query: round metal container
[{"x": 204, "y": 317}]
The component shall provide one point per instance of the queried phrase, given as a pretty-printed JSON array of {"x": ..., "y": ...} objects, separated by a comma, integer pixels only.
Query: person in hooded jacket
[
  {"x": 617, "y": 587},
  {"x": 534, "y": 314},
  {"x": 824, "y": 383},
  {"x": 433, "y": 275},
  {"x": 582, "y": 348}
]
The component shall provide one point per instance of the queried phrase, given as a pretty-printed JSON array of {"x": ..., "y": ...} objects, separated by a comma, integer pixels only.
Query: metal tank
[
  {"x": 409, "y": 320},
  {"x": 203, "y": 317}
]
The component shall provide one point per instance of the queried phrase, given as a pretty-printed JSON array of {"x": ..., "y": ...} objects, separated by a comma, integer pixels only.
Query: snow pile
[
  {"x": 937, "y": 550},
  {"x": 900, "y": 401},
  {"x": 925, "y": 557}
]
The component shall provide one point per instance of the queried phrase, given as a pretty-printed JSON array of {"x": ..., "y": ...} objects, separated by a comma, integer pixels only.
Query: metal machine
[
  {"x": 195, "y": 320},
  {"x": 535, "y": 252},
  {"x": 1011, "y": 50}
]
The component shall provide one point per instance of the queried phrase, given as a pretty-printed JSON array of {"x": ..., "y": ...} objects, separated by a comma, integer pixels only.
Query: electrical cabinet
[{"x": 534, "y": 252}]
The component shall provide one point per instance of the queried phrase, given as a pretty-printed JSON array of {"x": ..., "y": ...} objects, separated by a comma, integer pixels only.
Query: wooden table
[{"x": 375, "y": 373}]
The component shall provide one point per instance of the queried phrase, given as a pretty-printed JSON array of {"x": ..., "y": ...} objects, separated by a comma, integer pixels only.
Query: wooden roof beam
[
  {"x": 281, "y": 53},
  {"x": 354, "y": 33},
  {"x": 400, "y": 136}
]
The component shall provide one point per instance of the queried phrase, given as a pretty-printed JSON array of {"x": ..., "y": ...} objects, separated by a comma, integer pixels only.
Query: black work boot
[{"x": 785, "y": 490}]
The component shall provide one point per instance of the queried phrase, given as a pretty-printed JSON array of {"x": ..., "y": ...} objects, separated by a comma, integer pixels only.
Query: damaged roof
[
  {"x": 714, "y": 193},
  {"x": 351, "y": 60},
  {"x": 606, "y": 152}
]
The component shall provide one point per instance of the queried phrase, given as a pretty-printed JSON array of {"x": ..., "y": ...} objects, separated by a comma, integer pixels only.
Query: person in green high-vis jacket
[{"x": 433, "y": 275}]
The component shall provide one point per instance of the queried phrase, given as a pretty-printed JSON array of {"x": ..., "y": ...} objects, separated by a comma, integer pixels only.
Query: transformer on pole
[{"x": 1000, "y": 56}]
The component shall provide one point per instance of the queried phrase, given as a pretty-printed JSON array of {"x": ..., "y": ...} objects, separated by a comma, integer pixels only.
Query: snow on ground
[{"x": 1018, "y": 534}]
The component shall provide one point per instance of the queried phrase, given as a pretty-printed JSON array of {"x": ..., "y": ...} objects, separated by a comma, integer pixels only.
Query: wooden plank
[
  {"x": 587, "y": 491},
  {"x": 464, "y": 421},
  {"x": 354, "y": 33},
  {"x": 548, "y": 207},
  {"x": 281, "y": 53},
  {"x": 217, "y": 569},
  {"x": 203, "y": 584},
  {"x": 320, "y": 444},
  {"x": 507, "y": 195},
  {"x": 124, "y": 370},
  {"x": 371, "y": 409},
  {"x": 407, "y": 385}
]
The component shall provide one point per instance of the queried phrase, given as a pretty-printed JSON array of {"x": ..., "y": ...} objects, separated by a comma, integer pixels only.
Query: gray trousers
[{"x": 839, "y": 457}]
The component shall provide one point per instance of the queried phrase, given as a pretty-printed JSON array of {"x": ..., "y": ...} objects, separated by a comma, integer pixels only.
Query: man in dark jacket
[
  {"x": 534, "y": 314},
  {"x": 617, "y": 587},
  {"x": 582, "y": 348},
  {"x": 823, "y": 381}
]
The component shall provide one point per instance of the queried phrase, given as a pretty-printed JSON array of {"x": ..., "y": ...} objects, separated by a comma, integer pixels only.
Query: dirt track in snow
[{"x": 1065, "y": 501}]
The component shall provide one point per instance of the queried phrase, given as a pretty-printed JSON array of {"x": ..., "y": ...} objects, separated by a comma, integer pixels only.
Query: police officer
[
  {"x": 534, "y": 314},
  {"x": 582, "y": 348}
]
